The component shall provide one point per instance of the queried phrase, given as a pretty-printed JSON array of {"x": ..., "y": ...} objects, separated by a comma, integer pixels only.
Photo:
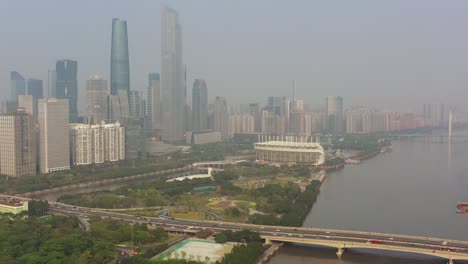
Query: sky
[{"x": 392, "y": 55}]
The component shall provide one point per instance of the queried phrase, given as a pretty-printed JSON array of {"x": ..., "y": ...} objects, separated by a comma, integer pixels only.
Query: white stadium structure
[{"x": 286, "y": 152}]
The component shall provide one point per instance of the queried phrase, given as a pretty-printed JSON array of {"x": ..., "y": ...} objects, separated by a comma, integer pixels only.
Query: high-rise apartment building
[
  {"x": 199, "y": 105},
  {"x": 18, "y": 86},
  {"x": 120, "y": 69},
  {"x": 221, "y": 117},
  {"x": 334, "y": 114},
  {"x": 173, "y": 97},
  {"x": 17, "y": 145},
  {"x": 241, "y": 123},
  {"x": 254, "y": 110},
  {"x": 272, "y": 123},
  {"x": 153, "y": 105},
  {"x": 66, "y": 86},
  {"x": 54, "y": 135},
  {"x": 435, "y": 114},
  {"x": 96, "y": 143},
  {"x": 97, "y": 99}
]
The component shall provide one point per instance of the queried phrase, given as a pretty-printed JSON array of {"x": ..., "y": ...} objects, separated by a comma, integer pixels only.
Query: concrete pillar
[
  {"x": 340, "y": 252},
  {"x": 450, "y": 261},
  {"x": 267, "y": 241}
]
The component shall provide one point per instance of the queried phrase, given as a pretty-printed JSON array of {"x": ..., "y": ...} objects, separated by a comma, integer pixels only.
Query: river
[{"x": 412, "y": 190}]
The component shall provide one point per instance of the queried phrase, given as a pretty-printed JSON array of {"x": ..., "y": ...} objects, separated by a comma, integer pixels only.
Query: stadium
[{"x": 307, "y": 153}]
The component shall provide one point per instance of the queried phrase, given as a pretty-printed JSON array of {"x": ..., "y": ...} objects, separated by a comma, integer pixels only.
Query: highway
[{"x": 341, "y": 239}]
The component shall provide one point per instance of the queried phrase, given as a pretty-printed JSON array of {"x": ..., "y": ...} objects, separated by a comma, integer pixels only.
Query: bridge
[{"x": 452, "y": 250}]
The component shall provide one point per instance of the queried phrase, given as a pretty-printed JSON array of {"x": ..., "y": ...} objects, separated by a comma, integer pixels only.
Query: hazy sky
[{"x": 389, "y": 54}]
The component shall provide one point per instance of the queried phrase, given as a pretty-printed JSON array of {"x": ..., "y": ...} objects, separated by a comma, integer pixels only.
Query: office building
[
  {"x": 18, "y": 86},
  {"x": 36, "y": 90},
  {"x": 54, "y": 135},
  {"x": 135, "y": 138},
  {"x": 153, "y": 105},
  {"x": 66, "y": 86},
  {"x": 51, "y": 83},
  {"x": 221, "y": 123},
  {"x": 26, "y": 102},
  {"x": 334, "y": 114},
  {"x": 17, "y": 144},
  {"x": 173, "y": 94},
  {"x": 97, "y": 143},
  {"x": 135, "y": 104},
  {"x": 120, "y": 69},
  {"x": 96, "y": 99},
  {"x": 199, "y": 105}
]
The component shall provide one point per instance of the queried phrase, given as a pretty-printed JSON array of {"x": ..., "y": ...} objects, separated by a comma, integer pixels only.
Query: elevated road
[
  {"x": 340, "y": 239},
  {"x": 105, "y": 182}
]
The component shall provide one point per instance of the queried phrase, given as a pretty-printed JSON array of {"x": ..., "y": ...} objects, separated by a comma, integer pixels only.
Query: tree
[{"x": 221, "y": 238}]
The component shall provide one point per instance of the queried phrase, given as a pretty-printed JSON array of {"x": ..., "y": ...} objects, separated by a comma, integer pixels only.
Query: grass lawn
[{"x": 189, "y": 215}]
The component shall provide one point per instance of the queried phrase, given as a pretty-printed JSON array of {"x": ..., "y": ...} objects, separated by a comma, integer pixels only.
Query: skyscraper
[
  {"x": 153, "y": 104},
  {"x": 120, "y": 69},
  {"x": 96, "y": 99},
  {"x": 51, "y": 83},
  {"x": 18, "y": 145},
  {"x": 54, "y": 135},
  {"x": 27, "y": 103},
  {"x": 221, "y": 117},
  {"x": 18, "y": 86},
  {"x": 36, "y": 90},
  {"x": 172, "y": 78},
  {"x": 334, "y": 114},
  {"x": 199, "y": 105},
  {"x": 67, "y": 86},
  {"x": 134, "y": 104}
]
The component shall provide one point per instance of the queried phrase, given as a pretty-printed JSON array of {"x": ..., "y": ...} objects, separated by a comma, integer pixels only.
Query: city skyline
[{"x": 418, "y": 83}]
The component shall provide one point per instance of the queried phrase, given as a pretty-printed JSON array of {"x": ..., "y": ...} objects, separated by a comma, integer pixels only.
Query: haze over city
[
  {"x": 234, "y": 132},
  {"x": 390, "y": 55}
]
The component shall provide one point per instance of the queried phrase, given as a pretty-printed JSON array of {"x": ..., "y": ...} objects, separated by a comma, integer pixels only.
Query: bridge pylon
[{"x": 450, "y": 261}]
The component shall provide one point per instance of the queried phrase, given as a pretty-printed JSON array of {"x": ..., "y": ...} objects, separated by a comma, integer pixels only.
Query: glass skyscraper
[
  {"x": 120, "y": 69},
  {"x": 66, "y": 86},
  {"x": 18, "y": 86},
  {"x": 173, "y": 96},
  {"x": 199, "y": 105}
]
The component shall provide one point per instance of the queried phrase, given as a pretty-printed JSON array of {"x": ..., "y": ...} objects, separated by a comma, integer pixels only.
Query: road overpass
[
  {"x": 105, "y": 182},
  {"x": 451, "y": 250}
]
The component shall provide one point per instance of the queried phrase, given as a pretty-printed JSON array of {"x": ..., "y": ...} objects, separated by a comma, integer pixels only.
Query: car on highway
[
  {"x": 301, "y": 236},
  {"x": 374, "y": 241},
  {"x": 275, "y": 234}
]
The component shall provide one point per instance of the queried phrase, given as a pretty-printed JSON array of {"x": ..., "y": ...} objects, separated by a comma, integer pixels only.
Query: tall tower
[
  {"x": 96, "y": 99},
  {"x": 221, "y": 117},
  {"x": 54, "y": 135},
  {"x": 120, "y": 69},
  {"x": 172, "y": 77},
  {"x": 199, "y": 105},
  {"x": 67, "y": 86}
]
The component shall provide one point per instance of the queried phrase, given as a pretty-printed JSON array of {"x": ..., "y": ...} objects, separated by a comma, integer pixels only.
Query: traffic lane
[{"x": 323, "y": 235}]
